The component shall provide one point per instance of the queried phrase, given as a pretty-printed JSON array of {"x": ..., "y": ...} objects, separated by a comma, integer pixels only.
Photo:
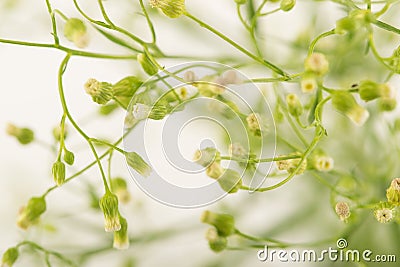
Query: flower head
[
  {"x": 75, "y": 31},
  {"x": 206, "y": 156},
  {"x": 345, "y": 103},
  {"x": 109, "y": 206},
  {"x": 308, "y": 84},
  {"x": 224, "y": 223},
  {"x": 216, "y": 242},
  {"x": 100, "y": 92},
  {"x": 342, "y": 210},
  {"x": 136, "y": 162},
  {"x": 58, "y": 171},
  {"x": 23, "y": 135},
  {"x": 393, "y": 192},
  {"x": 120, "y": 188},
  {"x": 9, "y": 257},
  {"x": 317, "y": 63},
  {"x": 384, "y": 215},
  {"x": 256, "y": 124}
]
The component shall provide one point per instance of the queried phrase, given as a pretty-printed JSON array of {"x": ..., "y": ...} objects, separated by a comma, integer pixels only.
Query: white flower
[{"x": 384, "y": 215}]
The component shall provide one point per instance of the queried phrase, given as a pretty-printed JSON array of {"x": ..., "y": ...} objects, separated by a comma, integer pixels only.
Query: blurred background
[{"x": 161, "y": 235}]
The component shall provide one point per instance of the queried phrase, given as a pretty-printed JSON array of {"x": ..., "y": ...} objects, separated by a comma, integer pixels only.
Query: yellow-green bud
[
  {"x": 147, "y": 65},
  {"x": 100, "y": 92},
  {"x": 224, "y": 223},
  {"x": 256, "y": 124},
  {"x": 214, "y": 170},
  {"x": 290, "y": 165},
  {"x": 109, "y": 206},
  {"x": 206, "y": 156},
  {"x": 308, "y": 83},
  {"x": 209, "y": 88},
  {"x": 393, "y": 192},
  {"x": 384, "y": 213},
  {"x": 120, "y": 188},
  {"x": 387, "y": 103},
  {"x": 69, "y": 157},
  {"x": 230, "y": 181},
  {"x": 9, "y": 257},
  {"x": 171, "y": 8},
  {"x": 108, "y": 108},
  {"x": 287, "y": 5},
  {"x": 294, "y": 105},
  {"x": 345, "y": 103},
  {"x": 241, "y": 2},
  {"x": 158, "y": 112},
  {"x": 136, "y": 162},
  {"x": 58, "y": 171},
  {"x": 355, "y": 20},
  {"x": 216, "y": 242},
  {"x": 345, "y": 25},
  {"x": 370, "y": 90},
  {"x": 75, "y": 31},
  {"x": 30, "y": 214},
  {"x": 23, "y": 135},
  {"x": 121, "y": 238},
  {"x": 395, "y": 62},
  {"x": 57, "y": 132},
  {"x": 126, "y": 87},
  {"x": 317, "y": 63},
  {"x": 343, "y": 211}
]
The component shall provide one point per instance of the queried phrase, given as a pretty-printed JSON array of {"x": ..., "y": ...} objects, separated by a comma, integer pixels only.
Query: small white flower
[
  {"x": 237, "y": 150},
  {"x": 324, "y": 163},
  {"x": 384, "y": 215}
]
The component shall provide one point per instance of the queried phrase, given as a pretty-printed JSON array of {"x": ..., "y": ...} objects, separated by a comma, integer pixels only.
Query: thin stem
[
  {"x": 149, "y": 22},
  {"x": 319, "y": 37},
  {"x": 259, "y": 160},
  {"x": 240, "y": 48},
  {"x": 53, "y": 22}
]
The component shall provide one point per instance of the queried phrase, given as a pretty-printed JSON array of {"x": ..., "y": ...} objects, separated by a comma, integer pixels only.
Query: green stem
[
  {"x": 53, "y": 22},
  {"x": 240, "y": 48},
  {"x": 259, "y": 160},
  {"x": 319, "y": 37},
  {"x": 386, "y": 26},
  {"x": 149, "y": 22}
]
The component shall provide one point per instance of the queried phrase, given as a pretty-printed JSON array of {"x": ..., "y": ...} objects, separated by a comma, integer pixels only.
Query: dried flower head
[
  {"x": 100, "y": 92},
  {"x": 342, "y": 210},
  {"x": 109, "y": 206}
]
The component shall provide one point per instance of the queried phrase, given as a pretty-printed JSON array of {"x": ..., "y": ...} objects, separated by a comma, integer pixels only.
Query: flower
[
  {"x": 75, "y": 31},
  {"x": 224, "y": 223},
  {"x": 206, "y": 156},
  {"x": 23, "y": 135},
  {"x": 230, "y": 181},
  {"x": 120, "y": 188},
  {"x": 109, "y": 206},
  {"x": 214, "y": 170},
  {"x": 287, "y": 5},
  {"x": 384, "y": 215},
  {"x": 147, "y": 65},
  {"x": 216, "y": 242},
  {"x": 256, "y": 124},
  {"x": 294, "y": 105},
  {"x": 100, "y": 92},
  {"x": 121, "y": 238},
  {"x": 136, "y": 162},
  {"x": 290, "y": 165},
  {"x": 308, "y": 84},
  {"x": 317, "y": 63},
  {"x": 30, "y": 214},
  {"x": 393, "y": 192},
  {"x": 345, "y": 103},
  {"x": 342, "y": 210}
]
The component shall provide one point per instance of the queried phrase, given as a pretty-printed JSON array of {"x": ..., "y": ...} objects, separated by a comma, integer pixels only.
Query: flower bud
[
  {"x": 256, "y": 124},
  {"x": 317, "y": 63},
  {"x": 345, "y": 103},
  {"x": 214, "y": 170},
  {"x": 237, "y": 150},
  {"x": 384, "y": 213},
  {"x": 356, "y": 19},
  {"x": 158, "y": 112},
  {"x": 121, "y": 238},
  {"x": 23, "y": 135},
  {"x": 109, "y": 206},
  {"x": 342, "y": 210},
  {"x": 290, "y": 165},
  {"x": 370, "y": 90},
  {"x": 206, "y": 156},
  {"x": 58, "y": 171},
  {"x": 230, "y": 181},
  {"x": 75, "y": 31},
  {"x": 136, "y": 162},
  {"x": 224, "y": 223},
  {"x": 393, "y": 192},
  {"x": 100, "y": 92},
  {"x": 189, "y": 76},
  {"x": 308, "y": 83},
  {"x": 107, "y": 109},
  {"x": 216, "y": 242},
  {"x": 30, "y": 214},
  {"x": 171, "y": 8},
  {"x": 57, "y": 132},
  {"x": 147, "y": 65},
  {"x": 241, "y": 2},
  {"x": 69, "y": 157},
  {"x": 10, "y": 257},
  {"x": 395, "y": 62},
  {"x": 295, "y": 107},
  {"x": 287, "y": 5},
  {"x": 210, "y": 88},
  {"x": 120, "y": 188},
  {"x": 387, "y": 104},
  {"x": 126, "y": 87}
]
